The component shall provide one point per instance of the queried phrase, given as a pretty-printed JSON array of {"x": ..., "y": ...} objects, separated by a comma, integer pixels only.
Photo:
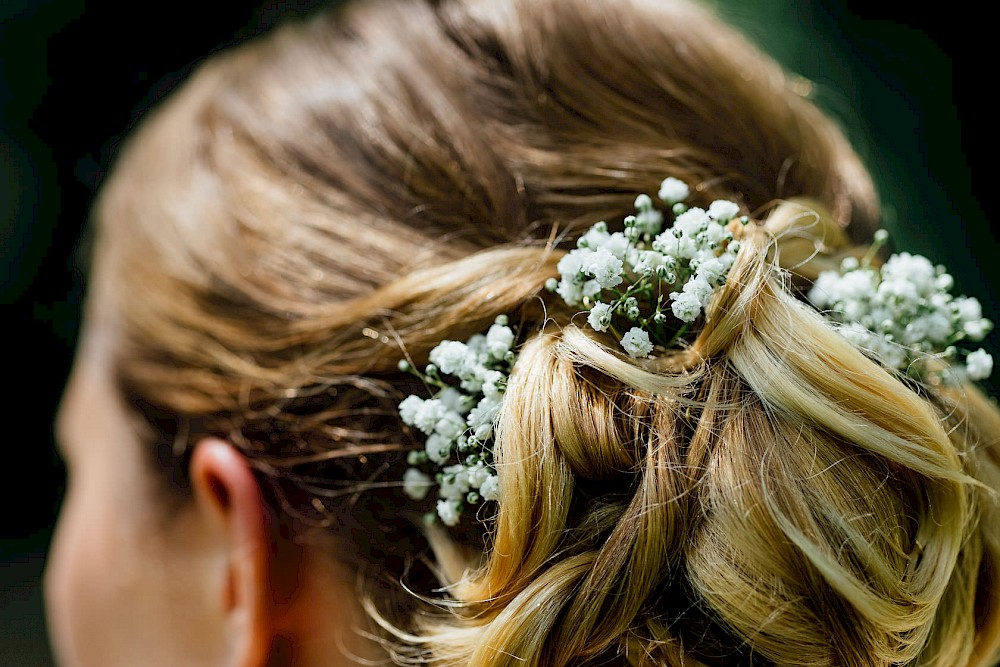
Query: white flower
[
  {"x": 979, "y": 364},
  {"x": 686, "y": 307},
  {"x": 572, "y": 264},
  {"x": 570, "y": 292},
  {"x": 416, "y": 484},
  {"x": 454, "y": 482},
  {"x": 857, "y": 335},
  {"x": 477, "y": 474},
  {"x": 454, "y": 400},
  {"x": 449, "y": 511},
  {"x": 712, "y": 270},
  {"x": 636, "y": 343},
  {"x": 939, "y": 328},
  {"x": 691, "y": 222},
  {"x": 968, "y": 309},
  {"x": 824, "y": 288},
  {"x": 699, "y": 288},
  {"x": 977, "y": 329},
  {"x": 915, "y": 269},
  {"x": 673, "y": 190},
  {"x": 438, "y": 448},
  {"x": 723, "y": 210},
  {"x": 643, "y": 202},
  {"x": 429, "y": 414},
  {"x": 482, "y": 416},
  {"x": 595, "y": 237},
  {"x": 600, "y": 316},
  {"x": 649, "y": 261},
  {"x": 408, "y": 409},
  {"x": 591, "y": 289},
  {"x": 499, "y": 340},
  {"x": 944, "y": 282},
  {"x": 450, "y": 425},
  {"x": 472, "y": 384},
  {"x": 618, "y": 245},
  {"x": 649, "y": 222},
  {"x": 857, "y": 285},
  {"x": 490, "y": 489},
  {"x": 606, "y": 268},
  {"x": 450, "y": 356},
  {"x": 493, "y": 384},
  {"x": 898, "y": 288}
]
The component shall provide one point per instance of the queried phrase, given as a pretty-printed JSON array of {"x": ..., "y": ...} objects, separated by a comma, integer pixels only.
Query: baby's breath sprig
[
  {"x": 458, "y": 420},
  {"x": 652, "y": 280},
  {"x": 904, "y": 314}
]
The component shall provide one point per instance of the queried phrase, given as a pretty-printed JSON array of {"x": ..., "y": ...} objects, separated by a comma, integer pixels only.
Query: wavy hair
[{"x": 364, "y": 184}]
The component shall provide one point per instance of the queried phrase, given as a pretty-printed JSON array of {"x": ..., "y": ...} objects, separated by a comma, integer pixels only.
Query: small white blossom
[
  {"x": 493, "y": 384},
  {"x": 450, "y": 511},
  {"x": 450, "y": 425},
  {"x": 673, "y": 190},
  {"x": 979, "y": 364},
  {"x": 571, "y": 293},
  {"x": 686, "y": 307},
  {"x": 968, "y": 309},
  {"x": 595, "y": 237},
  {"x": 691, "y": 222},
  {"x": 450, "y": 356},
  {"x": 600, "y": 316},
  {"x": 977, "y": 329},
  {"x": 429, "y": 414},
  {"x": 944, "y": 282},
  {"x": 591, "y": 289},
  {"x": 573, "y": 263},
  {"x": 416, "y": 484},
  {"x": 408, "y": 409},
  {"x": 482, "y": 416},
  {"x": 477, "y": 474},
  {"x": 454, "y": 400},
  {"x": 454, "y": 482},
  {"x": 712, "y": 270},
  {"x": 723, "y": 210},
  {"x": 606, "y": 268},
  {"x": 499, "y": 340},
  {"x": 699, "y": 288},
  {"x": 438, "y": 448},
  {"x": 649, "y": 261},
  {"x": 490, "y": 489},
  {"x": 636, "y": 343}
]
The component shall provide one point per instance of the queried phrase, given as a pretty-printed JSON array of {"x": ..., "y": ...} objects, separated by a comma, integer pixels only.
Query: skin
[{"x": 215, "y": 583}]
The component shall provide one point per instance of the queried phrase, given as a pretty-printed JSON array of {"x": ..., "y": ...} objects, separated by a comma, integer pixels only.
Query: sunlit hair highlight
[{"x": 311, "y": 208}]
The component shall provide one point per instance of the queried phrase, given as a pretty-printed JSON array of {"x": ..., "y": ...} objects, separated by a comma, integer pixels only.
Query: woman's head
[{"x": 311, "y": 208}]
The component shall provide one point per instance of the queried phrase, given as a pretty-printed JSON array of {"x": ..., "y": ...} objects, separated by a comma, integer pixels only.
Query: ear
[{"x": 231, "y": 507}]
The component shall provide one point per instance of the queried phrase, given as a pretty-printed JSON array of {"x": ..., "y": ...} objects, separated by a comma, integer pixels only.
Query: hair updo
[{"x": 370, "y": 182}]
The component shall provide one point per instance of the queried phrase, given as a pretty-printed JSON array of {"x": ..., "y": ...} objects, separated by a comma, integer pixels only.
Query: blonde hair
[{"x": 344, "y": 192}]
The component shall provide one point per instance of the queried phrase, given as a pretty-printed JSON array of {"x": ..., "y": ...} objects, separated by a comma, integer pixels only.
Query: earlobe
[{"x": 231, "y": 505}]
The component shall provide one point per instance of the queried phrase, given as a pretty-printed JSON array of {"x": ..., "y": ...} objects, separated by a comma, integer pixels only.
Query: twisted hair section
[
  {"x": 759, "y": 492},
  {"x": 314, "y": 206}
]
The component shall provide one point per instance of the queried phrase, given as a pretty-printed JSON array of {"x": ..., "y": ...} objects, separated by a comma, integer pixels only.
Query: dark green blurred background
[{"x": 907, "y": 86}]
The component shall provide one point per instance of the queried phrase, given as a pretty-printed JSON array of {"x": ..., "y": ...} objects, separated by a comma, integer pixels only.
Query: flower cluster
[
  {"x": 904, "y": 313},
  {"x": 653, "y": 280},
  {"x": 458, "y": 420}
]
